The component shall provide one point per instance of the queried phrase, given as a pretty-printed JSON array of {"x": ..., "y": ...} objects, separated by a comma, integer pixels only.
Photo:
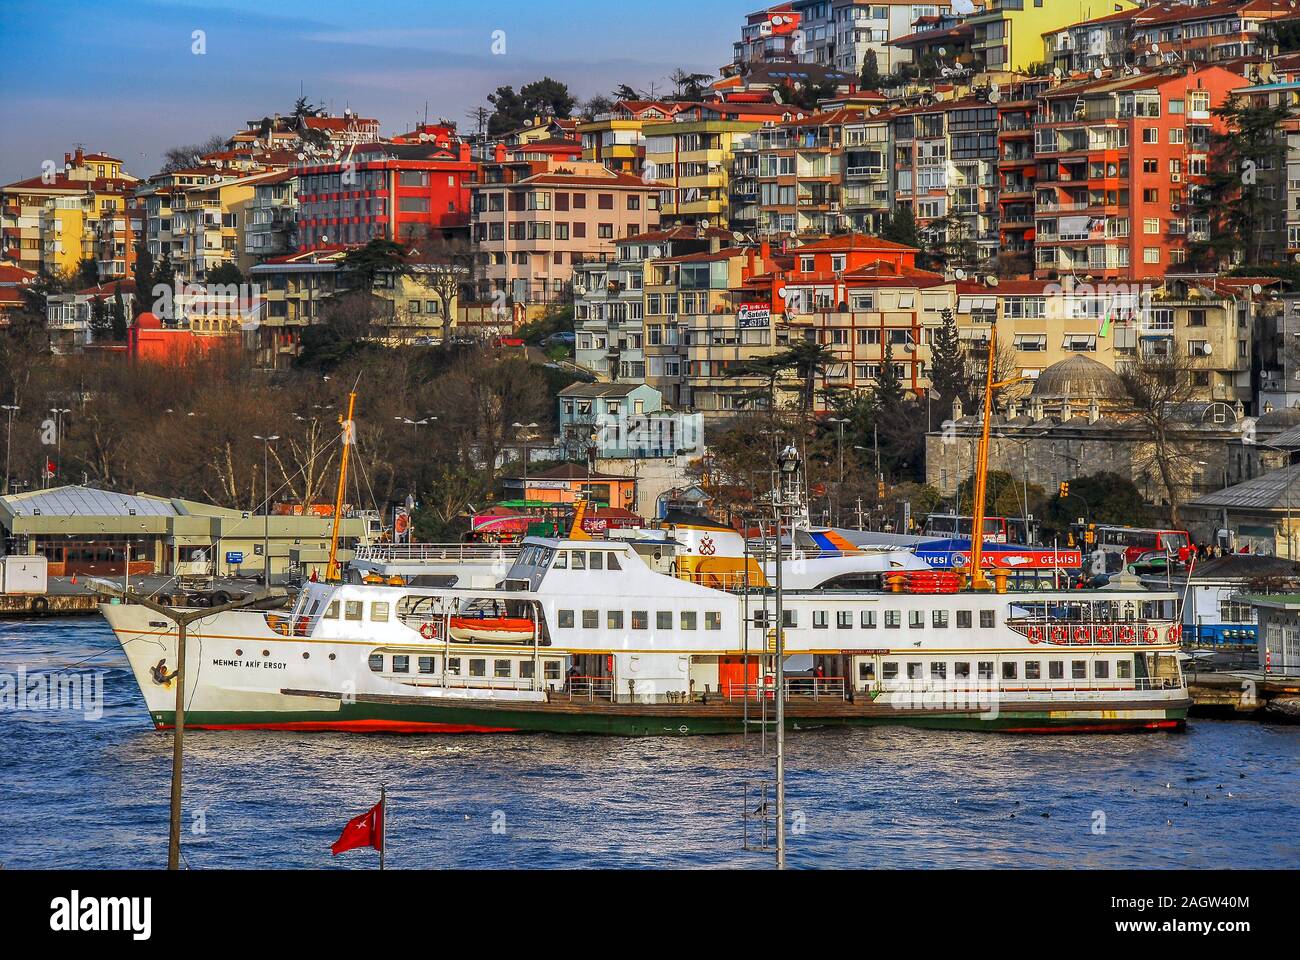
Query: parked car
[{"x": 566, "y": 338}]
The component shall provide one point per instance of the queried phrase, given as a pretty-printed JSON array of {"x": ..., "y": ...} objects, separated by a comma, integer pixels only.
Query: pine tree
[
  {"x": 947, "y": 360},
  {"x": 117, "y": 316},
  {"x": 870, "y": 78},
  {"x": 143, "y": 271},
  {"x": 900, "y": 227},
  {"x": 887, "y": 392},
  {"x": 101, "y": 325}
]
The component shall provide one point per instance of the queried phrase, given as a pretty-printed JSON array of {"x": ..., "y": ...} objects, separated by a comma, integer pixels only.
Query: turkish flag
[
  {"x": 366, "y": 830},
  {"x": 49, "y": 467}
]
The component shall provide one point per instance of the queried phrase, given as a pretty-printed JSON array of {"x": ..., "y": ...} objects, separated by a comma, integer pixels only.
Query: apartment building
[
  {"x": 272, "y": 228},
  {"x": 617, "y": 139},
  {"x": 534, "y": 220},
  {"x": 946, "y": 36},
  {"x": 49, "y": 223},
  {"x": 1095, "y": 44},
  {"x": 68, "y": 315},
  {"x": 1278, "y": 235},
  {"x": 385, "y": 190},
  {"x": 800, "y": 174},
  {"x": 691, "y": 157},
  {"x": 945, "y": 169},
  {"x": 207, "y": 223},
  {"x": 841, "y": 33},
  {"x": 609, "y": 301},
  {"x": 1017, "y": 169},
  {"x": 117, "y": 233},
  {"x": 1207, "y": 32},
  {"x": 1118, "y": 159},
  {"x": 1009, "y": 33},
  {"x": 868, "y": 172}
]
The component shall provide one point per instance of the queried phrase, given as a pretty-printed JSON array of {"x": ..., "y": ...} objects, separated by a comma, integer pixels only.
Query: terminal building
[{"x": 83, "y": 530}]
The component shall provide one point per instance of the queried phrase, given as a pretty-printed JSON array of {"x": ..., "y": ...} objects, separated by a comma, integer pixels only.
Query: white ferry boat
[{"x": 671, "y": 632}]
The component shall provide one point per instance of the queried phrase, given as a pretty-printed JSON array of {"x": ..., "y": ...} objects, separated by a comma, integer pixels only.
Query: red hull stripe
[
  {"x": 350, "y": 726},
  {"x": 1103, "y": 727}
]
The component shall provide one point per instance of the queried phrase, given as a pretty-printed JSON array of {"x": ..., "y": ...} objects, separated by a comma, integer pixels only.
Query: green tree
[
  {"x": 142, "y": 271},
  {"x": 1097, "y": 497},
  {"x": 101, "y": 324},
  {"x": 887, "y": 392},
  {"x": 362, "y": 266},
  {"x": 227, "y": 272},
  {"x": 688, "y": 86},
  {"x": 117, "y": 316},
  {"x": 948, "y": 362},
  {"x": 870, "y": 78},
  {"x": 544, "y": 98},
  {"x": 1237, "y": 196},
  {"x": 900, "y": 227}
]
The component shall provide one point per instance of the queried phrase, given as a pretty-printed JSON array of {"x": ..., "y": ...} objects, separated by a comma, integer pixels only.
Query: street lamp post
[
  {"x": 266, "y": 507},
  {"x": 524, "y": 433},
  {"x": 58, "y": 441},
  {"x": 11, "y": 409},
  {"x": 787, "y": 479},
  {"x": 839, "y": 452}
]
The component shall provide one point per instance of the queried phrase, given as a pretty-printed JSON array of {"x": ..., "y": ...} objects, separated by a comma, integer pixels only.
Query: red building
[
  {"x": 388, "y": 191},
  {"x": 1118, "y": 160}
]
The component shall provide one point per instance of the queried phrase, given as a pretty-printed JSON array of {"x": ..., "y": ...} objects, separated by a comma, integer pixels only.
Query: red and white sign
[
  {"x": 1024, "y": 559},
  {"x": 753, "y": 315}
]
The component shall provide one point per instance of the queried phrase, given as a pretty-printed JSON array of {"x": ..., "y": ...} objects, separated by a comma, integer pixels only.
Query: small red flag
[
  {"x": 49, "y": 467},
  {"x": 366, "y": 830}
]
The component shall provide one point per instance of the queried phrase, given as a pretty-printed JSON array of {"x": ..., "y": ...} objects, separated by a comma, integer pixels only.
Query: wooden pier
[{"x": 15, "y": 606}]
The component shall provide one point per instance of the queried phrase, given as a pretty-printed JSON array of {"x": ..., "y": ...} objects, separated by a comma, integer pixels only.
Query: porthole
[
  {"x": 266, "y": 653},
  {"x": 306, "y": 655},
  {"x": 239, "y": 653},
  {"x": 334, "y": 656}
]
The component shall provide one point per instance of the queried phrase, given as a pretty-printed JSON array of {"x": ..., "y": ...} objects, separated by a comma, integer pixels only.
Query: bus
[
  {"x": 1133, "y": 542},
  {"x": 996, "y": 529}
]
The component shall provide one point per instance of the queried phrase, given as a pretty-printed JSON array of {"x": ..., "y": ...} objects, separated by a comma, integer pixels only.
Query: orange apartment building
[
  {"x": 1017, "y": 168},
  {"x": 1118, "y": 159},
  {"x": 533, "y": 219}
]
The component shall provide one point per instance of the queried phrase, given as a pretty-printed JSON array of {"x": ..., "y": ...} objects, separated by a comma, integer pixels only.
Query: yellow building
[
  {"x": 49, "y": 223},
  {"x": 617, "y": 138},
  {"x": 207, "y": 224},
  {"x": 692, "y": 157},
  {"x": 1009, "y": 33}
]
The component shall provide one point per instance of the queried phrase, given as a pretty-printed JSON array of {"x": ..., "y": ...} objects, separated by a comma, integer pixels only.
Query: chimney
[
  {"x": 499, "y": 155},
  {"x": 1094, "y": 411},
  {"x": 67, "y": 160},
  {"x": 1067, "y": 413},
  {"x": 956, "y": 409},
  {"x": 1036, "y": 409},
  {"x": 80, "y": 156},
  {"x": 715, "y": 243},
  {"x": 1013, "y": 409}
]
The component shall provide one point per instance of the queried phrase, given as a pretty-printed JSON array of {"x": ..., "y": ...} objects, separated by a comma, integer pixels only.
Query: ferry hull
[{"x": 428, "y": 718}]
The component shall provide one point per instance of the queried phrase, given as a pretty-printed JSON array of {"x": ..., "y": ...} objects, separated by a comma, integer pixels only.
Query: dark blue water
[{"x": 78, "y": 792}]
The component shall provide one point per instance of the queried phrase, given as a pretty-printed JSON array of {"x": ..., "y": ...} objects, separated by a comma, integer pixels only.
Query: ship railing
[
  {"x": 382, "y": 552},
  {"x": 591, "y": 688},
  {"x": 812, "y": 688},
  {"x": 489, "y": 683},
  {"x": 1011, "y": 689},
  {"x": 1092, "y": 632}
]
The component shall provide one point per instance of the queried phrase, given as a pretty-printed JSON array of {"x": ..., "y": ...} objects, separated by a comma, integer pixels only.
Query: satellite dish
[
  {"x": 995, "y": 97},
  {"x": 959, "y": 273},
  {"x": 942, "y": 51},
  {"x": 704, "y": 224},
  {"x": 1207, "y": 349},
  {"x": 1056, "y": 72},
  {"x": 1155, "y": 48},
  {"x": 1105, "y": 61},
  {"x": 1257, "y": 289},
  {"x": 964, "y": 7},
  {"x": 991, "y": 280},
  {"x": 993, "y": 86},
  {"x": 1097, "y": 73}
]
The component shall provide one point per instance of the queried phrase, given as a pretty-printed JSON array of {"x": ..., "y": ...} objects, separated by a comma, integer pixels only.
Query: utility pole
[
  {"x": 266, "y": 508},
  {"x": 787, "y": 482},
  {"x": 58, "y": 441},
  {"x": 182, "y": 619}
]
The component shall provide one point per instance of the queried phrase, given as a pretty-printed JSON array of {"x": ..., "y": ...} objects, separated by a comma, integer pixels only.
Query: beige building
[{"x": 540, "y": 218}]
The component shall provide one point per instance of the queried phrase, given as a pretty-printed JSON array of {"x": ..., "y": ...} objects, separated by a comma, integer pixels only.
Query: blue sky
[{"x": 120, "y": 77}]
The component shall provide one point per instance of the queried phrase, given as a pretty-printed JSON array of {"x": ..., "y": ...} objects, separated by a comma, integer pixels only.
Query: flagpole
[{"x": 383, "y": 822}]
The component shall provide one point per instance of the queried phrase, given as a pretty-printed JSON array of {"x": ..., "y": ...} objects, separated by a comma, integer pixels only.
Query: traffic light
[
  {"x": 1065, "y": 489},
  {"x": 1090, "y": 535},
  {"x": 880, "y": 490}
]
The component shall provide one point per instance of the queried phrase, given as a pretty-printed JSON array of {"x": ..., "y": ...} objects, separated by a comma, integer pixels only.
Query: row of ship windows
[
  {"x": 471, "y": 667},
  {"x": 640, "y": 620},
  {"x": 984, "y": 670},
  {"x": 893, "y": 619}
]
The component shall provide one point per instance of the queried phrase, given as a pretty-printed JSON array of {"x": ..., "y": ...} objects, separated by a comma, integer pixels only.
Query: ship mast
[{"x": 348, "y": 432}]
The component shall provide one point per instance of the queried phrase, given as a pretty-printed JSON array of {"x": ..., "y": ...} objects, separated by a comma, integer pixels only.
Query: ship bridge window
[
  {"x": 889, "y": 670},
  {"x": 379, "y": 611},
  {"x": 791, "y": 617},
  {"x": 478, "y": 668},
  {"x": 427, "y": 664},
  {"x": 1033, "y": 670},
  {"x": 579, "y": 560},
  {"x": 1124, "y": 669},
  {"x": 915, "y": 619},
  {"x": 561, "y": 560},
  {"x": 893, "y": 619},
  {"x": 961, "y": 670},
  {"x": 332, "y": 611},
  {"x": 377, "y": 662},
  {"x": 614, "y": 620},
  {"x": 640, "y": 620},
  {"x": 963, "y": 619},
  {"x": 1079, "y": 669},
  {"x": 352, "y": 610},
  {"x": 712, "y": 620},
  {"x": 820, "y": 620},
  {"x": 939, "y": 619},
  {"x": 843, "y": 619},
  {"x": 590, "y": 619},
  {"x": 915, "y": 671},
  {"x": 984, "y": 669},
  {"x": 869, "y": 619},
  {"x": 988, "y": 618},
  {"x": 1010, "y": 670},
  {"x": 1055, "y": 669},
  {"x": 938, "y": 670},
  {"x": 1101, "y": 669},
  {"x": 401, "y": 663},
  {"x": 612, "y": 562}
]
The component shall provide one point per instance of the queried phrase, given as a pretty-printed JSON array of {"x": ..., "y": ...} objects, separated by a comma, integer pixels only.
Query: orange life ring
[
  {"x": 1175, "y": 633},
  {"x": 1082, "y": 635},
  {"x": 1035, "y": 634},
  {"x": 428, "y": 631},
  {"x": 1150, "y": 634},
  {"x": 1104, "y": 635},
  {"x": 1127, "y": 635},
  {"x": 1058, "y": 634}
]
